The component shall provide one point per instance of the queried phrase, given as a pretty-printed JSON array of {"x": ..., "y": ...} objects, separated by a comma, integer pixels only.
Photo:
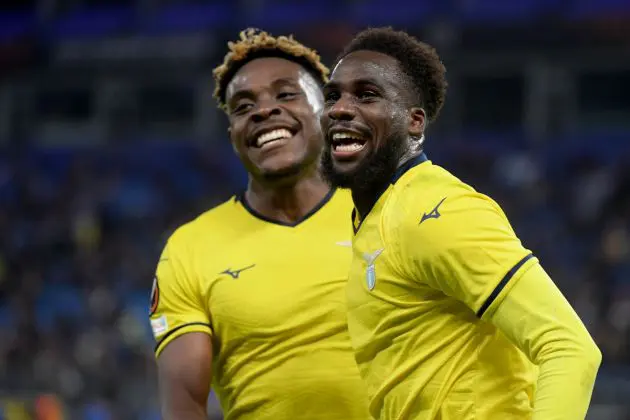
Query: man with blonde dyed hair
[{"x": 251, "y": 295}]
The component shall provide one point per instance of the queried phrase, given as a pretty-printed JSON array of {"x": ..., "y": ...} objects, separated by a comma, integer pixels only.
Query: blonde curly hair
[{"x": 254, "y": 43}]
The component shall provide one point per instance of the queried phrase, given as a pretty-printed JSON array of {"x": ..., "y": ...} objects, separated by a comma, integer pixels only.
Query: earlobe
[{"x": 417, "y": 122}]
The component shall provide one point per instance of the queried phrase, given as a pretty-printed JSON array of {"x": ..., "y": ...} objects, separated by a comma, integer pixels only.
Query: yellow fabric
[
  {"x": 279, "y": 325},
  {"x": 180, "y": 304},
  {"x": 536, "y": 317},
  {"x": 436, "y": 255}
]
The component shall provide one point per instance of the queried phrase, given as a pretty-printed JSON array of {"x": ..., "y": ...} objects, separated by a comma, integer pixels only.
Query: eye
[
  {"x": 367, "y": 95},
  {"x": 287, "y": 95},
  {"x": 331, "y": 97},
  {"x": 242, "y": 107}
]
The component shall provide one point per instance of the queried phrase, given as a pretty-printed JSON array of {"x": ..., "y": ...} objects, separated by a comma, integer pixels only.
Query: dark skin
[
  {"x": 184, "y": 377},
  {"x": 284, "y": 181},
  {"x": 369, "y": 94},
  {"x": 284, "y": 185}
]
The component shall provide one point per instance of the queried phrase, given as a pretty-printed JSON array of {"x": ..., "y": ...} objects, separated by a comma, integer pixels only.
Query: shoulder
[
  {"x": 430, "y": 183},
  {"x": 207, "y": 227},
  {"x": 436, "y": 206},
  {"x": 189, "y": 244},
  {"x": 423, "y": 194}
]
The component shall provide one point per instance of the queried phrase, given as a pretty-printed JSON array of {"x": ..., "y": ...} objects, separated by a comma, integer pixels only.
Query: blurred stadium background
[{"x": 109, "y": 139}]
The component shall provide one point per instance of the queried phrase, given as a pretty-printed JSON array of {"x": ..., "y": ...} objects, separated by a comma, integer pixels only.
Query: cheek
[
  {"x": 397, "y": 122},
  {"x": 380, "y": 119},
  {"x": 323, "y": 118},
  {"x": 310, "y": 123},
  {"x": 238, "y": 145},
  {"x": 316, "y": 126},
  {"x": 237, "y": 131}
]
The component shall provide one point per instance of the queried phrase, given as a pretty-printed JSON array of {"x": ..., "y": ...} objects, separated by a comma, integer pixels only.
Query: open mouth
[
  {"x": 347, "y": 144},
  {"x": 272, "y": 137}
]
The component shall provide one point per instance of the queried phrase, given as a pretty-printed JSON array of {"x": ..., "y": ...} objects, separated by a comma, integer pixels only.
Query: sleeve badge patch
[
  {"x": 159, "y": 326},
  {"x": 155, "y": 296}
]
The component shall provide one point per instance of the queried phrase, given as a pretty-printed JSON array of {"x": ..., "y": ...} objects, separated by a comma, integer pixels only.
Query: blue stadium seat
[
  {"x": 590, "y": 9},
  {"x": 387, "y": 12},
  {"x": 17, "y": 24},
  {"x": 504, "y": 11},
  {"x": 289, "y": 15},
  {"x": 188, "y": 18},
  {"x": 6, "y": 319},
  {"x": 58, "y": 301},
  {"x": 98, "y": 22}
]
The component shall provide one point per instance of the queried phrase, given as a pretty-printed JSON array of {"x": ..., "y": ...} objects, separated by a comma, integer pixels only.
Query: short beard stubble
[{"x": 373, "y": 173}]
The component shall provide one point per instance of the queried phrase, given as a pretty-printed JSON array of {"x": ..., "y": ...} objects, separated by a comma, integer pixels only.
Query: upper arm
[
  {"x": 468, "y": 252},
  {"x": 177, "y": 307},
  {"x": 184, "y": 376},
  {"x": 181, "y": 325},
  {"x": 540, "y": 321}
]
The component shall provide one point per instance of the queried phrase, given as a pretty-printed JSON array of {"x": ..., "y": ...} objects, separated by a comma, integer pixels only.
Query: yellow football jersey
[
  {"x": 431, "y": 261},
  {"x": 272, "y": 296}
]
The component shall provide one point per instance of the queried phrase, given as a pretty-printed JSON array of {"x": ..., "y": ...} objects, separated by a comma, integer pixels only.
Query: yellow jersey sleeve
[
  {"x": 461, "y": 244},
  {"x": 539, "y": 320},
  {"x": 176, "y": 304}
]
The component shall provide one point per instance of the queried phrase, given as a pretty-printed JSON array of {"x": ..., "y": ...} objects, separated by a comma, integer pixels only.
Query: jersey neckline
[
  {"x": 402, "y": 169},
  {"x": 241, "y": 198}
]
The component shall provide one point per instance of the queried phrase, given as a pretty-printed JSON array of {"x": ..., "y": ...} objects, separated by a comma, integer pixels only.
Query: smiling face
[
  {"x": 367, "y": 120},
  {"x": 274, "y": 106}
]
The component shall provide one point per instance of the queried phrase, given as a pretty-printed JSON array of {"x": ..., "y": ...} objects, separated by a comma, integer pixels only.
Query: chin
[
  {"x": 341, "y": 180},
  {"x": 369, "y": 173},
  {"x": 339, "y": 174},
  {"x": 286, "y": 173}
]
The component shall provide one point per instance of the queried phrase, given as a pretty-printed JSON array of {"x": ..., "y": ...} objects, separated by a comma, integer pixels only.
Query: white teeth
[
  {"x": 281, "y": 133},
  {"x": 347, "y": 142},
  {"x": 341, "y": 136},
  {"x": 348, "y": 147}
]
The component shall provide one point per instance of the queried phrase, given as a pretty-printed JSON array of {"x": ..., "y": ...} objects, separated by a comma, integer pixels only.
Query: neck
[
  {"x": 365, "y": 197},
  {"x": 287, "y": 203}
]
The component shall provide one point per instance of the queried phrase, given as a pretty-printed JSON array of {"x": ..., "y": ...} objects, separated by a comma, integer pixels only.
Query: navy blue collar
[
  {"x": 241, "y": 198},
  {"x": 402, "y": 169}
]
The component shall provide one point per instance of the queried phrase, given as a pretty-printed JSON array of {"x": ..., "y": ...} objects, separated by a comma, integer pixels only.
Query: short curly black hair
[
  {"x": 418, "y": 60},
  {"x": 254, "y": 43}
]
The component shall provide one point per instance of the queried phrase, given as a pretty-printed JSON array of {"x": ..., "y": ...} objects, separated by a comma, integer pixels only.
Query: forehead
[
  {"x": 260, "y": 73},
  {"x": 370, "y": 65}
]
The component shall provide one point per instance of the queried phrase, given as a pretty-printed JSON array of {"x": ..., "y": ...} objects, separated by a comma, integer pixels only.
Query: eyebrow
[
  {"x": 248, "y": 93},
  {"x": 362, "y": 81},
  {"x": 284, "y": 81},
  {"x": 243, "y": 93}
]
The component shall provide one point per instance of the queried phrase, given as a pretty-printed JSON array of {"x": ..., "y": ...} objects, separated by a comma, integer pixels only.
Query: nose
[
  {"x": 342, "y": 110},
  {"x": 264, "y": 111}
]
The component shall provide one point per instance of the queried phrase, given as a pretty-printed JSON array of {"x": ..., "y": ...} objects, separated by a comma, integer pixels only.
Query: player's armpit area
[
  {"x": 541, "y": 322},
  {"x": 199, "y": 327},
  {"x": 184, "y": 375}
]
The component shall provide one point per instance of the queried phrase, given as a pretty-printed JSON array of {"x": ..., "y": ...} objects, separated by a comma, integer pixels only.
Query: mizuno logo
[
  {"x": 235, "y": 273},
  {"x": 433, "y": 214},
  {"x": 347, "y": 244}
]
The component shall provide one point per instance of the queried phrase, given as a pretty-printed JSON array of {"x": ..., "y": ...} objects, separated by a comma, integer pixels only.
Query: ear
[{"x": 417, "y": 122}]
